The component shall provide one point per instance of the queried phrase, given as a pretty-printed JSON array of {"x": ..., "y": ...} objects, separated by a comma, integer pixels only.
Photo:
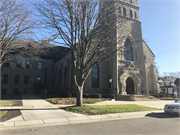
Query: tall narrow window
[
  {"x": 124, "y": 11},
  {"x": 7, "y": 64},
  {"x": 16, "y": 79},
  {"x": 38, "y": 79},
  {"x": 95, "y": 76},
  {"x": 65, "y": 77},
  {"x": 130, "y": 14},
  {"x": 128, "y": 50},
  {"x": 39, "y": 65},
  {"x": 26, "y": 79},
  {"x": 5, "y": 78},
  {"x": 119, "y": 10},
  {"x": 135, "y": 15},
  {"x": 27, "y": 64},
  {"x": 18, "y": 63},
  {"x": 130, "y": 1}
]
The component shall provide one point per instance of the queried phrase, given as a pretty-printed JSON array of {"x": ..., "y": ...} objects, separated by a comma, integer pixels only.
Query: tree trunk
[{"x": 79, "y": 94}]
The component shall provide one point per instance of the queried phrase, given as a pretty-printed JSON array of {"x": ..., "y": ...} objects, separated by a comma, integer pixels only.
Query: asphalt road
[{"x": 156, "y": 124}]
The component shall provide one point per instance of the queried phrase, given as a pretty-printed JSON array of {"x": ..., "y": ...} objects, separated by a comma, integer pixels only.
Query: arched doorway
[{"x": 129, "y": 86}]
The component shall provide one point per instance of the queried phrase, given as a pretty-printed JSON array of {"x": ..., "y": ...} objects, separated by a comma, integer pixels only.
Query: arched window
[
  {"x": 124, "y": 11},
  {"x": 119, "y": 10},
  {"x": 130, "y": 1},
  {"x": 65, "y": 77},
  {"x": 128, "y": 50},
  {"x": 135, "y": 15},
  {"x": 95, "y": 76},
  {"x": 130, "y": 14}
]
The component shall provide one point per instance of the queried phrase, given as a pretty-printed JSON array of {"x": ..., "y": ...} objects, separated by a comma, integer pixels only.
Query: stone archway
[
  {"x": 130, "y": 86},
  {"x": 134, "y": 84}
]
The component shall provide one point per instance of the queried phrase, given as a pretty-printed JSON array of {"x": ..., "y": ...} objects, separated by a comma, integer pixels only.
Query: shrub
[
  {"x": 53, "y": 93},
  {"x": 113, "y": 96},
  {"x": 95, "y": 95},
  {"x": 155, "y": 95},
  {"x": 65, "y": 95},
  {"x": 17, "y": 92},
  {"x": 108, "y": 96},
  {"x": 85, "y": 95},
  {"x": 161, "y": 95},
  {"x": 73, "y": 94}
]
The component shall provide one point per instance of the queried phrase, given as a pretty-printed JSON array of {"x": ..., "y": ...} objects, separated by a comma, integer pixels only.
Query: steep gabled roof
[
  {"x": 177, "y": 81},
  {"x": 149, "y": 48},
  {"x": 170, "y": 79}
]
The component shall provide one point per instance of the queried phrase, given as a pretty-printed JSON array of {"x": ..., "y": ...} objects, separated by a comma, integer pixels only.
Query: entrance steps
[{"x": 134, "y": 97}]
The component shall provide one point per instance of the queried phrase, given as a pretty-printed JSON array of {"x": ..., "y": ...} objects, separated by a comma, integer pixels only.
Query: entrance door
[{"x": 129, "y": 86}]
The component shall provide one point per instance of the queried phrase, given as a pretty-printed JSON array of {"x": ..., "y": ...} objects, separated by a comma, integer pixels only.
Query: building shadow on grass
[
  {"x": 10, "y": 114},
  {"x": 15, "y": 98}
]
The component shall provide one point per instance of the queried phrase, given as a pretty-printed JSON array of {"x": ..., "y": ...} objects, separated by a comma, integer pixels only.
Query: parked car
[{"x": 173, "y": 108}]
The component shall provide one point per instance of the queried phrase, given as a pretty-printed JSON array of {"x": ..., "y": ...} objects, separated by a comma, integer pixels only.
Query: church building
[{"x": 132, "y": 72}]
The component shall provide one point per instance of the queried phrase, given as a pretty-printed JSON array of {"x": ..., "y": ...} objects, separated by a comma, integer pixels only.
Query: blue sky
[{"x": 161, "y": 30}]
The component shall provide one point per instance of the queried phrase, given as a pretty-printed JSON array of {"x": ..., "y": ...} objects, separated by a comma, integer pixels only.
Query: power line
[
  {"x": 167, "y": 53},
  {"x": 176, "y": 49}
]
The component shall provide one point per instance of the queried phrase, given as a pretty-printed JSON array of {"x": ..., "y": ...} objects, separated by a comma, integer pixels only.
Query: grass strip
[
  {"x": 5, "y": 103},
  {"x": 3, "y": 112},
  {"x": 107, "y": 109}
]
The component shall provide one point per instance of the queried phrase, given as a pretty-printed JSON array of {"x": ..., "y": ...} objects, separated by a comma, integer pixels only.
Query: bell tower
[{"x": 130, "y": 60}]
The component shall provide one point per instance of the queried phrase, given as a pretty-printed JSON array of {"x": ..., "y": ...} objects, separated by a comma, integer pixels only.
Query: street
[{"x": 153, "y": 124}]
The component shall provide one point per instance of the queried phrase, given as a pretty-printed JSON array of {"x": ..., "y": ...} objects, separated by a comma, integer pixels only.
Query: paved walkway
[{"x": 37, "y": 111}]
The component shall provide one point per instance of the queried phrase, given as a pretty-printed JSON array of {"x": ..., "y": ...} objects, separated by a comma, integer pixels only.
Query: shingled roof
[
  {"x": 177, "y": 82},
  {"x": 44, "y": 51}
]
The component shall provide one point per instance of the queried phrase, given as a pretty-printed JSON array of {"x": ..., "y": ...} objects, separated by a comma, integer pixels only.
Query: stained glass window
[
  {"x": 95, "y": 76},
  {"x": 124, "y": 11},
  {"x": 128, "y": 50},
  {"x": 130, "y": 13}
]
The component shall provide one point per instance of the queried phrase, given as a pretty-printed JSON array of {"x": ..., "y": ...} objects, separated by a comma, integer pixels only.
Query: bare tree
[
  {"x": 172, "y": 74},
  {"x": 17, "y": 23},
  {"x": 157, "y": 71},
  {"x": 88, "y": 28}
]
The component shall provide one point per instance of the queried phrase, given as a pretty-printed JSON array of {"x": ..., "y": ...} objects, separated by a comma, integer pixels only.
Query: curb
[
  {"x": 74, "y": 120},
  {"x": 12, "y": 125}
]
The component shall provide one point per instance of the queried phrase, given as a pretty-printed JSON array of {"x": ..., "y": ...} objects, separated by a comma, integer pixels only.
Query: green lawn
[
  {"x": 3, "y": 112},
  {"x": 107, "y": 109},
  {"x": 4, "y": 103}
]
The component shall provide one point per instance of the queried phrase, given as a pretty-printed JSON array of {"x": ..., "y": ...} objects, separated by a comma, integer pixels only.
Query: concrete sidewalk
[{"x": 36, "y": 111}]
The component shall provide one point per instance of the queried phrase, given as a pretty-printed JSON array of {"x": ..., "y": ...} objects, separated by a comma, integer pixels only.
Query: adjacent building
[{"x": 31, "y": 75}]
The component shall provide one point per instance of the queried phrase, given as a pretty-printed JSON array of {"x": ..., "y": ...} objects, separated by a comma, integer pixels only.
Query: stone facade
[{"x": 140, "y": 70}]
